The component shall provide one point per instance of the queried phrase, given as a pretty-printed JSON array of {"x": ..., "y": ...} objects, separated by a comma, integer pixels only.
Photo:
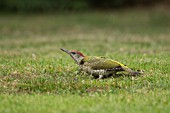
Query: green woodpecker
[{"x": 99, "y": 67}]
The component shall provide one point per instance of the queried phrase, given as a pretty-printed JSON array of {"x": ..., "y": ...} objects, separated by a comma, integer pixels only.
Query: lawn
[{"x": 37, "y": 77}]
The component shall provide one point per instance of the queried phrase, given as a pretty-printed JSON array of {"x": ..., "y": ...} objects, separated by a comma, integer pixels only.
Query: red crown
[{"x": 81, "y": 54}]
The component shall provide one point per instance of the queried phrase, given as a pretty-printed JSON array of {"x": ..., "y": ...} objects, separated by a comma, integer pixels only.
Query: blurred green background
[{"x": 60, "y": 5}]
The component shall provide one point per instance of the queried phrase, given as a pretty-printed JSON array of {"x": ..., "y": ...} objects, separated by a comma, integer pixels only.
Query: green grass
[
  {"x": 35, "y": 76},
  {"x": 56, "y": 103}
]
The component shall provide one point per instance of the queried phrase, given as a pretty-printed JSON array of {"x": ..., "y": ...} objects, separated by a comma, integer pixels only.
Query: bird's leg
[
  {"x": 79, "y": 71},
  {"x": 101, "y": 76}
]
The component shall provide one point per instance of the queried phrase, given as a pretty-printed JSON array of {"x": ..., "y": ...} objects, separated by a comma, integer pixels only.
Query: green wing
[{"x": 101, "y": 63}]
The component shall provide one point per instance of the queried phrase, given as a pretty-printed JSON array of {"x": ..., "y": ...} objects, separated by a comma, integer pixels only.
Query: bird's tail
[{"x": 132, "y": 72}]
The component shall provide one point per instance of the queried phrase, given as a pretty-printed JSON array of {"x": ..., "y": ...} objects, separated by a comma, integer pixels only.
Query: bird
[{"x": 99, "y": 67}]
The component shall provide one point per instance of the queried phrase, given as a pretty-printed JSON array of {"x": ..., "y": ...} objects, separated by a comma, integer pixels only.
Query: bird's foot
[{"x": 101, "y": 76}]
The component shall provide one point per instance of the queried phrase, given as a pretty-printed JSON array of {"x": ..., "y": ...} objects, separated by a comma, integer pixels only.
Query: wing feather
[{"x": 102, "y": 63}]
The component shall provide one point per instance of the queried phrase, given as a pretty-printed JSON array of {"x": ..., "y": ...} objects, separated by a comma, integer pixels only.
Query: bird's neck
[{"x": 79, "y": 60}]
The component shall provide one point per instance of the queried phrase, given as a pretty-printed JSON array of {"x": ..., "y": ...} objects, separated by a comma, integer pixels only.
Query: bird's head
[{"x": 76, "y": 55}]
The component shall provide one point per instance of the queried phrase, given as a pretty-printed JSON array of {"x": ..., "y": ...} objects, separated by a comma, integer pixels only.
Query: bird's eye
[{"x": 73, "y": 52}]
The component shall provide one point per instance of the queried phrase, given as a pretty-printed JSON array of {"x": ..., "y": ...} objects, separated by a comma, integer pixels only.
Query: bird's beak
[
  {"x": 68, "y": 53},
  {"x": 65, "y": 51}
]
